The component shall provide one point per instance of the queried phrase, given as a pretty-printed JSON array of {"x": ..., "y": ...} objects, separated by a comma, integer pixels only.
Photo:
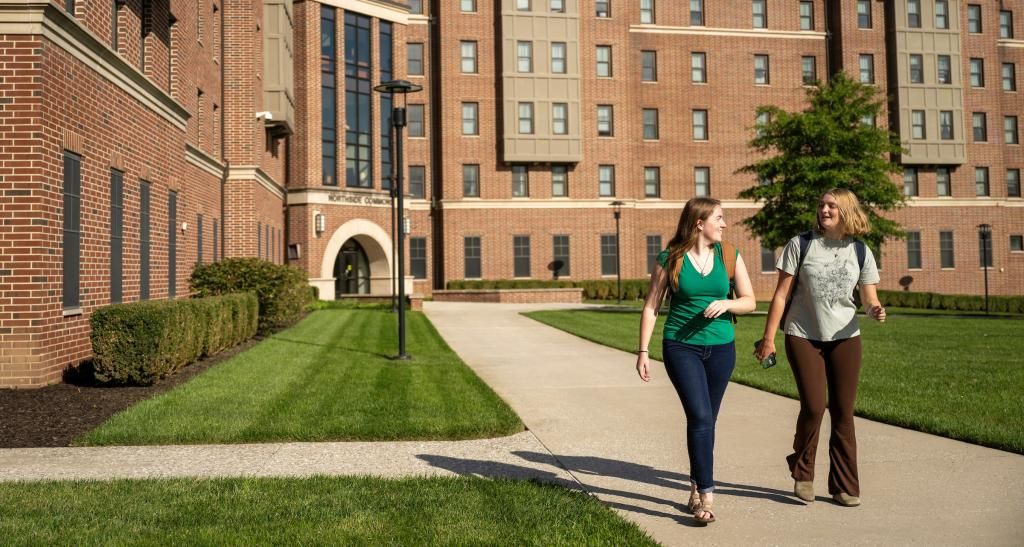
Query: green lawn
[
  {"x": 318, "y": 510},
  {"x": 328, "y": 378},
  {"x": 953, "y": 376}
]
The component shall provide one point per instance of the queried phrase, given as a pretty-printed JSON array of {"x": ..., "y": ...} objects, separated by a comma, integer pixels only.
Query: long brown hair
[
  {"x": 697, "y": 209},
  {"x": 851, "y": 214}
]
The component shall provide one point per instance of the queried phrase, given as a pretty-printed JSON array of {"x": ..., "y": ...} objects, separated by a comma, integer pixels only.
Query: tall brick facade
[{"x": 258, "y": 119}]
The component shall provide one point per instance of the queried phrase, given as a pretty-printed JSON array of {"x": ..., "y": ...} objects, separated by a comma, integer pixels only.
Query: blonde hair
[
  {"x": 696, "y": 210},
  {"x": 854, "y": 220}
]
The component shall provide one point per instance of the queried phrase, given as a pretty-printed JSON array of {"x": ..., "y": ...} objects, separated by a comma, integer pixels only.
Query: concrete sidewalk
[{"x": 625, "y": 441}]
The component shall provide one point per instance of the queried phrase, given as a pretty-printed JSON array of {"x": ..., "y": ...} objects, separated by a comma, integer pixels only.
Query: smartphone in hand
[{"x": 767, "y": 362}]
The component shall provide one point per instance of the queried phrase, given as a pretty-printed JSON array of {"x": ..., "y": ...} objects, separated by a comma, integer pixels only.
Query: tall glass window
[
  {"x": 696, "y": 13},
  {"x": 606, "y": 180},
  {"x": 984, "y": 250},
  {"x": 1006, "y": 24},
  {"x": 521, "y": 256},
  {"x": 470, "y": 125},
  {"x": 867, "y": 68},
  {"x": 172, "y": 244},
  {"x": 417, "y": 181},
  {"x": 914, "y": 250},
  {"x": 914, "y": 13},
  {"x": 977, "y": 69},
  {"x": 809, "y": 70},
  {"x": 414, "y": 119},
  {"x": 1010, "y": 130},
  {"x": 946, "y": 125},
  {"x": 558, "y": 58},
  {"x": 117, "y": 236},
  {"x": 916, "y": 69},
  {"x": 946, "y": 256},
  {"x": 652, "y": 182},
  {"x": 1013, "y": 183},
  {"x": 650, "y": 116},
  {"x": 520, "y": 181},
  {"x": 653, "y": 250},
  {"x": 941, "y": 14},
  {"x": 560, "y": 118},
  {"x": 767, "y": 260},
  {"x": 863, "y": 13},
  {"x": 604, "y": 61},
  {"x": 1009, "y": 77},
  {"x": 942, "y": 185},
  {"x": 468, "y": 52},
  {"x": 702, "y": 181},
  {"x": 698, "y": 67},
  {"x": 471, "y": 254},
  {"x": 414, "y": 59},
  {"x": 144, "y": 239},
  {"x": 944, "y": 69},
  {"x": 647, "y": 12},
  {"x": 524, "y": 56},
  {"x": 760, "y": 13},
  {"x": 700, "y": 125},
  {"x": 981, "y": 181},
  {"x": 560, "y": 254},
  {"x": 418, "y": 257},
  {"x": 609, "y": 255},
  {"x": 605, "y": 122},
  {"x": 72, "y": 231},
  {"x": 471, "y": 180},
  {"x": 917, "y": 126},
  {"x": 761, "y": 75},
  {"x": 806, "y": 15},
  {"x": 387, "y": 62},
  {"x": 525, "y": 118},
  {"x": 559, "y": 181},
  {"x": 358, "y": 109},
  {"x": 974, "y": 18},
  {"x": 910, "y": 181},
  {"x": 648, "y": 66},
  {"x": 328, "y": 96}
]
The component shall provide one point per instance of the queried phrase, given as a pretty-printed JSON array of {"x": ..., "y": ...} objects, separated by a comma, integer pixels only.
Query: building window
[
  {"x": 941, "y": 14},
  {"x": 650, "y": 116},
  {"x": 521, "y": 256},
  {"x": 144, "y": 240},
  {"x": 418, "y": 257},
  {"x": 942, "y": 186},
  {"x": 557, "y": 6},
  {"x": 172, "y": 244},
  {"x": 358, "y": 69},
  {"x": 606, "y": 181},
  {"x": 944, "y": 70},
  {"x": 916, "y": 69},
  {"x": 914, "y": 13},
  {"x": 559, "y": 181},
  {"x": 652, "y": 182},
  {"x": 698, "y": 67},
  {"x": 387, "y": 42},
  {"x": 416, "y": 7},
  {"x": 974, "y": 18},
  {"x": 653, "y": 250},
  {"x": 415, "y": 119},
  {"x": 605, "y": 120},
  {"x": 1009, "y": 77},
  {"x": 609, "y": 255},
  {"x": 759, "y": 12},
  {"x": 72, "y": 229},
  {"x": 199, "y": 239},
  {"x": 946, "y": 250},
  {"x": 1016, "y": 243},
  {"x": 760, "y": 122},
  {"x": 471, "y": 181},
  {"x": 648, "y": 66},
  {"x": 1006, "y": 24},
  {"x": 981, "y": 181},
  {"x": 604, "y": 61},
  {"x": 117, "y": 236},
  {"x": 1010, "y": 130},
  {"x": 468, "y": 50},
  {"x": 702, "y": 181},
  {"x": 914, "y": 250},
  {"x": 471, "y": 254},
  {"x": 414, "y": 61},
  {"x": 946, "y": 125},
  {"x": 525, "y": 118},
  {"x": 604, "y": 8},
  {"x": 761, "y": 70},
  {"x": 467, "y": 6},
  {"x": 809, "y": 70},
  {"x": 700, "y": 125},
  {"x": 977, "y": 68},
  {"x": 909, "y": 181},
  {"x": 1013, "y": 183},
  {"x": 558, "y": 64},
  {"x": 806, "y": 15},
  {"x": 523, "y": 5},
  {"x": 520, "y": 181},
  {"x": 646, "y": 12},
  {"x": 524, "y": 56},
  {"x": 867, "y": 68},
  {"x": 328, "y": 98},
  {"x": 984, "y": 250},
  {"x": 470, "y": 125},
  {"x": 560, "y": 254},
  {"x": 917, "y": 127},
  {"x": 560, "y": 118},
  {"x": 417, "y": 181},
  {"x": 696, "y": 13},
  {"x": 863, "y": 13}
]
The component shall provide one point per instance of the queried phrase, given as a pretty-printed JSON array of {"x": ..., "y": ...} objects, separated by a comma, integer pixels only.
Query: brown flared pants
[{"x": 821, "y": 368}]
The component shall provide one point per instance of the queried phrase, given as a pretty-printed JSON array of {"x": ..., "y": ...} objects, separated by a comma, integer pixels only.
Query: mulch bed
[{"x": 57, "y": 415}]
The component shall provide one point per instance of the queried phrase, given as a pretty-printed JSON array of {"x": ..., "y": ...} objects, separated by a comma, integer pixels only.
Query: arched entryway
[{"x": 351, "y": 270}]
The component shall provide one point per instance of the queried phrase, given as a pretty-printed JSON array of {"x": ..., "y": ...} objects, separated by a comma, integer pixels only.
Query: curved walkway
[{"x": 625, "y": 442}]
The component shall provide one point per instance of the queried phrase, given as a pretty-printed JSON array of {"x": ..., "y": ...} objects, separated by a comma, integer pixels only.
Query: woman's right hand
[
  {"x": 765, "y": 348},
  {"x": 642, "y": 366}
]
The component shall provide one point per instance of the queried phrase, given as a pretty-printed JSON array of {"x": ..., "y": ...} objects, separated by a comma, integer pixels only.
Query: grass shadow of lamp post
[
  {"x": 403, "y": 88},
  {"x": 617, "y": 208},
  {"x": 985, "y": 231}
]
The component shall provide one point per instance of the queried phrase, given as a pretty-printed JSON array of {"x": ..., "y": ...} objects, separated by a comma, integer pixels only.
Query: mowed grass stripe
[{"x": 328, "y": 378}]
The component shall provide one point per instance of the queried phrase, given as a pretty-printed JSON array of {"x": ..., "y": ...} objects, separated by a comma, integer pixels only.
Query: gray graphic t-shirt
[{"x": 822, "y": 308}]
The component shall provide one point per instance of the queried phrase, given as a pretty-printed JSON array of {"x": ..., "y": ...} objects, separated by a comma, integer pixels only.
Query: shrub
[
  {"x": 955, "y": 302},
  {"x": 142, "y": 342},
  {"x": 282, "y": 291}
]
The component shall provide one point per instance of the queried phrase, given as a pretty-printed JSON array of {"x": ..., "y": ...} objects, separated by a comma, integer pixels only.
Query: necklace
[{"x": 703, "y": 270}]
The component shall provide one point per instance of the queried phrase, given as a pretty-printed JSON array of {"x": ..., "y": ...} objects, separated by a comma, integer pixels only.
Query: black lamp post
[
  {"x": 401, "y": 87},
  {"x": 617, "y": 208},
  {"x": 985, "y": 231}
]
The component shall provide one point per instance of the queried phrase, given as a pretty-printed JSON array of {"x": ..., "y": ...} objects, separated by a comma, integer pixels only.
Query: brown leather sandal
[
  {"x": 694, "y": 502},
  {"x": 708, "y": 512}
]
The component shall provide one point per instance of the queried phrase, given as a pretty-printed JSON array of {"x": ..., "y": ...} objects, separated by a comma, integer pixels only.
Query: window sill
[{"x": 72, "y": 312}]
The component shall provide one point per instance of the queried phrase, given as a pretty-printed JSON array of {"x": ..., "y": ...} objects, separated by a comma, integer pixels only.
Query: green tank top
[{"x": 686, "y": 322}]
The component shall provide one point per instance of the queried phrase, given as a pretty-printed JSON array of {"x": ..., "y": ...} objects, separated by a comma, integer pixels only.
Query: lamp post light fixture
[
  {"x": 403, "y": 88},
  {"x": 617, "y": 211},
  {"x": 985, "y": 231}
]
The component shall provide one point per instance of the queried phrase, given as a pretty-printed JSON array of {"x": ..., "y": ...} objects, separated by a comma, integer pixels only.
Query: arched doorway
[{"x": 351, "y": 270}]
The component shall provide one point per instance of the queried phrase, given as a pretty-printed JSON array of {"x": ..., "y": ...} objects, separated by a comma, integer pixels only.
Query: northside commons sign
[{"x": 358, "y": 199}]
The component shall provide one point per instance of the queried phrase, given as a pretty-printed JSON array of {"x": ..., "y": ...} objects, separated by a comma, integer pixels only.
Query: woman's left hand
[{"x": 716, "y": 308}]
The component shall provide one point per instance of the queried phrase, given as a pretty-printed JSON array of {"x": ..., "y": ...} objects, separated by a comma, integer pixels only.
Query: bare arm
[
  {"x": 771, "y": 324},
  {"x": 744, "y": 301},
  {"x": 869, "y": 298},
  {"x": 648, "y": 316}
]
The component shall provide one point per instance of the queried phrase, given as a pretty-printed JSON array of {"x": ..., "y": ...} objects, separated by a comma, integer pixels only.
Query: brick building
[{"x": 138, "y": 137}]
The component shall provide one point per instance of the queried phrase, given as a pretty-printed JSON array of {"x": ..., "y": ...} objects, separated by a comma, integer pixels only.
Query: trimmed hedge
[
  {"x": 594, "y": 289},
  {"x": 958, "y": 302},
  {"x": 142, "y": 342},
  {"x": 283, "y": 291}
]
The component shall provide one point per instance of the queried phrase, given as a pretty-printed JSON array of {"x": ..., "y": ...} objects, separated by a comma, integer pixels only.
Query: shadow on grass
[{"x": 332, "y": 347}]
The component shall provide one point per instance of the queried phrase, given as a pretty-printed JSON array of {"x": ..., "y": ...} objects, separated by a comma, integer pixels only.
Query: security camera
[{"x": 265, "y": 115}]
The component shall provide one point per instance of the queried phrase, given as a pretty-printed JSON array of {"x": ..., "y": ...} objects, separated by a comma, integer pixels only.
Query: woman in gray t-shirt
[{"x": 823, "y": 339}]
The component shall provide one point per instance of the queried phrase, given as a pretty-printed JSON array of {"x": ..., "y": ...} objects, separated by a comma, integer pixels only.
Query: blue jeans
[{"x": 700, "y": 375}]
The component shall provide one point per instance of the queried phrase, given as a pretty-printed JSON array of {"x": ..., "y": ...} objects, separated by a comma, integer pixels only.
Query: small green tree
[{"x": 826, "y": 146}]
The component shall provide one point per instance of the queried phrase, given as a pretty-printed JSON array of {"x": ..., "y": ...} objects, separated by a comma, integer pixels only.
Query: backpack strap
[
  {"x": 728, "y": 251},
  {"x": 805, "y": 244},
  {"x": 862, "y": 253}
]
